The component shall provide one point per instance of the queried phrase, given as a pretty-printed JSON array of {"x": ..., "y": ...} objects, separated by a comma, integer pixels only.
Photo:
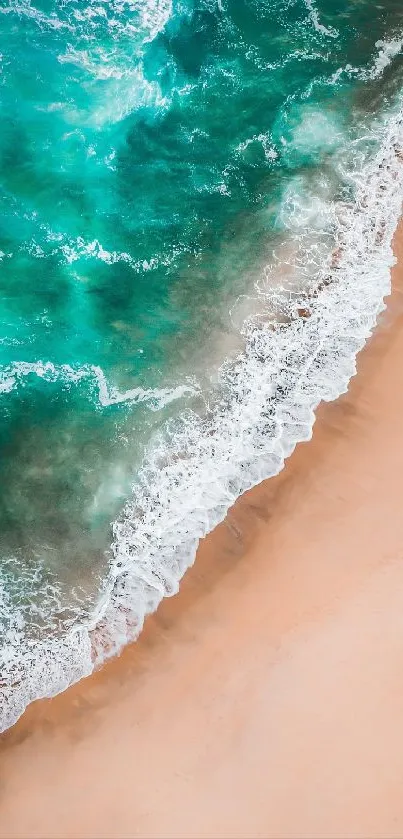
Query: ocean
[{"x": 197, "y": 206}]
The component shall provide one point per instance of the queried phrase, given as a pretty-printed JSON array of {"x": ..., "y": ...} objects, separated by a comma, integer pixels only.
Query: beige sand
[{"x": 266, "y": 699}]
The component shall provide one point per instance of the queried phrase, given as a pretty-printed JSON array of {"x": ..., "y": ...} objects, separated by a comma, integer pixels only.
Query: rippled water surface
[{"x": 167, "y": 170}]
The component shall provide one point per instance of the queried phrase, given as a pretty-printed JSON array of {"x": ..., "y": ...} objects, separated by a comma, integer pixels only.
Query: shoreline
[
  {"x": 272, "y": 678},
  {"x": 189, "y": 480}
]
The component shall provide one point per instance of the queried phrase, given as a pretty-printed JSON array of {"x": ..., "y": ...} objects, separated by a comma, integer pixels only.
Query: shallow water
[{"x": 167, "y": 170}]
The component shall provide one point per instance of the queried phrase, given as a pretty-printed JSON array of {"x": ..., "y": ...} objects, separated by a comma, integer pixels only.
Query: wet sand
[{"x": 266, "y": 699}]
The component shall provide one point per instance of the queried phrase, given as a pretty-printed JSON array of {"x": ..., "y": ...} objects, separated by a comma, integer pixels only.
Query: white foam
[
  {"x": 72, "y": 250},
  {"x": 316, "y": 131},
  {"x": 25, "y": 8},
  {"x": 265, "y": 141},
  {"x": 198, "y": 467},
  {"x": 108, "y": 42},
  {"x": 122, "y": 17},
  {"x": 155, "y": 15},
  {"x": 387, "y": 51},
  {"x": 107, "y": 394},
  {"x": 328, "y": 31},
  {"x": 127, "y": 88}
]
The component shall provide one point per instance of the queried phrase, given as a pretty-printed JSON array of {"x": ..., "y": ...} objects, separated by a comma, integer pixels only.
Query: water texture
[{"x": 198, "y": 201}]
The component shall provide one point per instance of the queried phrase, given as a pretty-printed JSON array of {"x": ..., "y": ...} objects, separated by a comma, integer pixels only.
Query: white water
[
  {"x": 329, "y": 32},
  {"x": 107, "y": 394},
  {"x": 197, "y": 469}
]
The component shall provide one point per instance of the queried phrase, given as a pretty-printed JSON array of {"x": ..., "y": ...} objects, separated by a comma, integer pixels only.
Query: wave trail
[
  {"x": 328, "y": 31},
  {"x": 107, "y": 394}
]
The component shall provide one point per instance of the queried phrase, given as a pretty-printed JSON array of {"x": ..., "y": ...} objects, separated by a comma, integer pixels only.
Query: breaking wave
[{"x": 299, "y": 350}]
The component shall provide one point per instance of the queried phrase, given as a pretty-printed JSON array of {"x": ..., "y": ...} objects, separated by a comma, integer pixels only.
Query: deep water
[{"x": 157, "y": 160}]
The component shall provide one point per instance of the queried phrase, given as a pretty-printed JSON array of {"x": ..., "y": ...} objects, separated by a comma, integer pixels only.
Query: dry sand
[{"x": 266, "y": 699}]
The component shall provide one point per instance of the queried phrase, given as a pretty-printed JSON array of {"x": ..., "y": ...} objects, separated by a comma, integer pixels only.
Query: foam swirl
[{"x": 106, "y": 393}]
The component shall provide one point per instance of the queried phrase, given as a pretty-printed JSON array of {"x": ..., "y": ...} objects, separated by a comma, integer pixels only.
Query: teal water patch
[{"x": 159, "y": 162}]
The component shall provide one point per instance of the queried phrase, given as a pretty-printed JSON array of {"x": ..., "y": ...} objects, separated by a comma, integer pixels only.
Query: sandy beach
[{"x": 265, "y": 700}]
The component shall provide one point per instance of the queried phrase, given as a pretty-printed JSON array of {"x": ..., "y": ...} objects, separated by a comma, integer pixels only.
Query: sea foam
[
  {"x": 106, "y": 393},
  {"x": 199, "y": 465}
]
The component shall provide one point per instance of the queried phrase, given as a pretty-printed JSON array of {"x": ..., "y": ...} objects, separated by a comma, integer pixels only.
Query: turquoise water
[{"x": 166, "y": 170}]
